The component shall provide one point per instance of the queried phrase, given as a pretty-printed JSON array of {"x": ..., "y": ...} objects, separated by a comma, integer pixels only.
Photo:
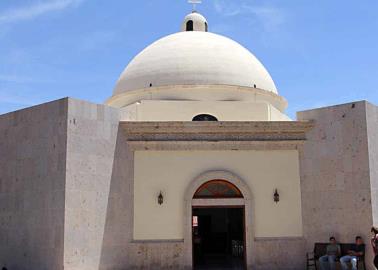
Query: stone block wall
[
  {"x": 335, "y": 176},
  {"x": 32, "y": 184},
  {"x": 279, "y": 253},
  {"x": 372, "y": 130},
  {"x": 118, "y": 220},
  {"x": 66, "y": 201},
  {"x": 66, "y": 190},
  {"x": 91, "y": 143},
  {"x": 99, "y": 198}
]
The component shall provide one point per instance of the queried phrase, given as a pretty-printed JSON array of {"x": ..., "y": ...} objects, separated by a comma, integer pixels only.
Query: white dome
[{"x": 194, "y": 58}]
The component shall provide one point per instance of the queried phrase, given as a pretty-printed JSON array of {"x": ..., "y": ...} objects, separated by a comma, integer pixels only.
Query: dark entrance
[{"x": 218, "y": 238}]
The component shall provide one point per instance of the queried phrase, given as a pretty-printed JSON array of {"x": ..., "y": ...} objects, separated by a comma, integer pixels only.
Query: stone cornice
[{"x": 216, "y": 131}]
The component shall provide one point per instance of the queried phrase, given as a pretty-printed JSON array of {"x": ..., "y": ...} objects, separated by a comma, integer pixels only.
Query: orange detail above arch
[{"x": 217, "y": 188}]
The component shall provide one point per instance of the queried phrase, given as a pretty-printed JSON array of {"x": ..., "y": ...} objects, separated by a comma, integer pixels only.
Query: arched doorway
[{"x": 218, "y": 226}]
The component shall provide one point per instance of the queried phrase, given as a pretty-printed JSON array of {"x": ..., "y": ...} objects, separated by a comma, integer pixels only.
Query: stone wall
[
  {"x": 372, "y": 128},
  {"x": 335, "y": 176},
  {"x": 118, "y": 225},
  {"x": 99, "y": 198},
  {"x": 67, "y": 181},
  {"x": 91, "y": 143},
  {"x": 66, "y": 199},
  {"x": 32, "y": 183},
  {"x": 279, "y": 253}
]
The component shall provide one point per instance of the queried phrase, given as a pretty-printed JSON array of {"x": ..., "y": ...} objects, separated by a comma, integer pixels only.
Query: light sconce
[
  {"x": 276, "y": 196},
  {"x": 160, "y": 198}
]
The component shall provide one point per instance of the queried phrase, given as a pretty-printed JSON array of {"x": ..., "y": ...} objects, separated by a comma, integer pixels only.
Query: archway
[
  {"x": 218, "y": 231},
  {"x": 190, "y": 25},
  {"x": 223, "y": 199}
]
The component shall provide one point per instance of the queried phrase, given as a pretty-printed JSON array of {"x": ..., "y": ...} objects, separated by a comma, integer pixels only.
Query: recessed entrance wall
[
  {"x": 171, "y": 172},
  {"x": 175, "y": 173}
]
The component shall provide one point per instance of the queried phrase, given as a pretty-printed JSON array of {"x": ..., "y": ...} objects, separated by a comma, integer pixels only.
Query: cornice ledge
[{"x": 215, "y": 131}]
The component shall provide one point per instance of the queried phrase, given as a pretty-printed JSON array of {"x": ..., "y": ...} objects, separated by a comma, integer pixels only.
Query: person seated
[
  {"x": 374, "y": 245},
  {"x": 328, "y": 261},
  {"x": 356, "y": 251}
]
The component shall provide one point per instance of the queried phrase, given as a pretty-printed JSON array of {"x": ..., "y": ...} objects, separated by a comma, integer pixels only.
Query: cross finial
[{"x": 194, "y": 3}]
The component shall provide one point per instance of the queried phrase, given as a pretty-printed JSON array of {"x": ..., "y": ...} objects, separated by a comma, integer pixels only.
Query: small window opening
[
  {"x": 254, "y": 85},
  {"x": 206, "y": 27},
  {"x": 150, "y": 84},
  {"x": 189, "y": 25},
  {"x": 204, "y": 117}
]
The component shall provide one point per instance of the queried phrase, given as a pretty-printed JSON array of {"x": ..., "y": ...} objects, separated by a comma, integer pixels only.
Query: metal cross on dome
[{"x": 195, "y": 3}]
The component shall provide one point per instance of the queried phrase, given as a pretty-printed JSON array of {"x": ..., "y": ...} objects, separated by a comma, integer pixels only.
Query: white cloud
[
  {"x": 270, "y": 17},
  {"x": 38, "y": 9},
  {"x": 227, "y": 8}
]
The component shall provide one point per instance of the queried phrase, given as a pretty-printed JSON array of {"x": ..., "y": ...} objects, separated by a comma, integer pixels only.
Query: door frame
[{"x": 246, "y": 201}]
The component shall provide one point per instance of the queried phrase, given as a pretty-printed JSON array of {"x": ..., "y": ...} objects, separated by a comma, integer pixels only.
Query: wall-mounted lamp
[
  {"x": 160, "y": 198},
  {"x": 276, "y": 196}
]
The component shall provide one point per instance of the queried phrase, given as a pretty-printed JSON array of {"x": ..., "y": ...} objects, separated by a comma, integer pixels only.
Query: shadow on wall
[
  {"x": 117, "y": 250},
  {"x": 117, "y": 231}
]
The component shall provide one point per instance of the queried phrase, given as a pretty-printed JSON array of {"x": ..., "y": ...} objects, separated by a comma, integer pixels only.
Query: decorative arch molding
[
  {"x": 211, "y": 175},
  {"x": 217, "y": 189},
  {"x": 247, "y": 201}
]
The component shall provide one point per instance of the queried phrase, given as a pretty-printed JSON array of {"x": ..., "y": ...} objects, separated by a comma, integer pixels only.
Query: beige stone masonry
[{"x": 215, "y": 131}]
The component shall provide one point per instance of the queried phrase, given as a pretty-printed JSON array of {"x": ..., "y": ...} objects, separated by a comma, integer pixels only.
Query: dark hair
[
  {"x": 332, "y": 238},
  {"x": 358, "y": 237},
  {"x": 374, "y": 230}
]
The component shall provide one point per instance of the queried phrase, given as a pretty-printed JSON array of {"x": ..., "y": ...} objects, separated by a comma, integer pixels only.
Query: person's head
[
  {"x": 359, "y": 240},
  {"x": 332, "y": 240},
  {"x": 374, "y": 230}
]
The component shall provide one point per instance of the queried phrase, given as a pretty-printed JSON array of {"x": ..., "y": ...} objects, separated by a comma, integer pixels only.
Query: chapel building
[{"x": 192, "y": 163}]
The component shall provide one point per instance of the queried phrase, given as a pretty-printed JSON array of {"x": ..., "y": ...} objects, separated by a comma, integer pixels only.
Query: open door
[{"x": 218, "y": 237}]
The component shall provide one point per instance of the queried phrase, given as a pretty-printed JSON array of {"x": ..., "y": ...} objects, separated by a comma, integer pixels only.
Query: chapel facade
[{"x": 192, "y": 163}]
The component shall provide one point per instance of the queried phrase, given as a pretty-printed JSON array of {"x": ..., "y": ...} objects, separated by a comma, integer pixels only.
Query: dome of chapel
[{"x": 193, "y": 57}]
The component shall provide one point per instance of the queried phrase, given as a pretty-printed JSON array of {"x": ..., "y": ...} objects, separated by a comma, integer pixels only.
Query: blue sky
[{"x": 319, "y": 52}]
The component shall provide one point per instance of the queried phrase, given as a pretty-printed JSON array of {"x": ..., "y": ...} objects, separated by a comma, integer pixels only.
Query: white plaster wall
[
  {"x": 160, "y": 110},
  {"x": 171, "y": 173}
]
